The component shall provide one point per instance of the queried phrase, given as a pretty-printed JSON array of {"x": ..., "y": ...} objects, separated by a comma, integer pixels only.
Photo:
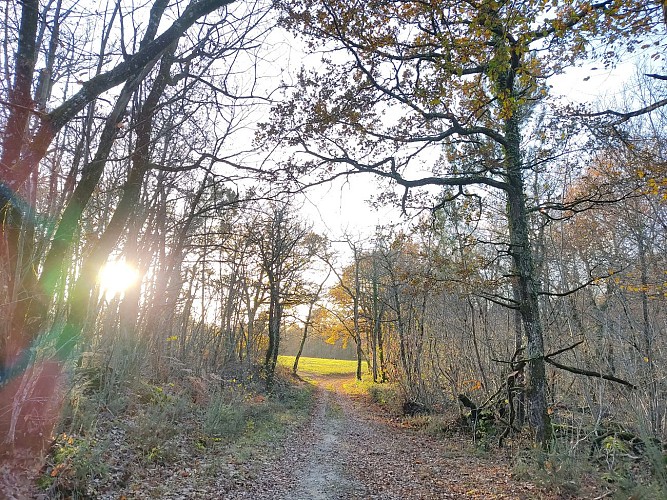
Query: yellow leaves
[
  {"x": 332, "y": 338},
  {"x": 339, "y": 294},
  {"x": 508, "y": 108},
  {"x": 651, "y": 290},
  {"x": 64, "y": 438},
  {"x": 172, "y": 338}
]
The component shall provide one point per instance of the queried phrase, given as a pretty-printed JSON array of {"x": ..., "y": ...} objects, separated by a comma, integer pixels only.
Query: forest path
[
  {"x": 347, "y": 451},
  {"x": 320, "y": 474}
]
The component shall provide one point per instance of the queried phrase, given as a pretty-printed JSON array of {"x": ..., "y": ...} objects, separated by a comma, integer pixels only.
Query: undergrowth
[
  {"x": 116, "y": 428},
  {"x": 613, "y": 467},
  {"x": 577, "y": 464}
]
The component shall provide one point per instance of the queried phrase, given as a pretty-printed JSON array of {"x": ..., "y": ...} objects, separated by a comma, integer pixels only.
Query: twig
[{"x": 561, "y": 351}]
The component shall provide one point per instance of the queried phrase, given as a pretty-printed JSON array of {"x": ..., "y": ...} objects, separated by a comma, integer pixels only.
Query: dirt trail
[
  {"x": 348, "y": 451},
  {"x": 321, "y": 474}
]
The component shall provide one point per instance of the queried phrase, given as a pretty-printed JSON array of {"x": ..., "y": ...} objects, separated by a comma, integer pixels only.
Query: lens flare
[{"x": 116, "y": 277}]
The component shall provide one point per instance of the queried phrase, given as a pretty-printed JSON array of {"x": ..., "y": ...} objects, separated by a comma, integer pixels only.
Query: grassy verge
[{"x": 205, "y": 433}]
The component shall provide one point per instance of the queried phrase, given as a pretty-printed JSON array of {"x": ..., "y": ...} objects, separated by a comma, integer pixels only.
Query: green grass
[{"x": 323, "y": 366}]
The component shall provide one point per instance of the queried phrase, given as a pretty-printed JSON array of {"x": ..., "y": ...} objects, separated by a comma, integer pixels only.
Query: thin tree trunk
[
  {"x": 80, "y": 298},
  {"x": 478, "y": 358},
  {"x": 355, "y": 300},
  {"x": 306, "y": 327}
]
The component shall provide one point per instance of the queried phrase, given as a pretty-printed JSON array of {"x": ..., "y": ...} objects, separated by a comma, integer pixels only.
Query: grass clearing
[
  {"x": 385, "y": 395},
  {"x": 323, "y": 366}
]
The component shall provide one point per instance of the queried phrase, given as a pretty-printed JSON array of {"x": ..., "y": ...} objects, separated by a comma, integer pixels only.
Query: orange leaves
[{"x": 471, "y": 385}]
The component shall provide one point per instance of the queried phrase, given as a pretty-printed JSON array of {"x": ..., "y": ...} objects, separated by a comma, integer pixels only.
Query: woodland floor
[
  {"x": 349, "y": 452},
  {"x": 348, "y": 448}
]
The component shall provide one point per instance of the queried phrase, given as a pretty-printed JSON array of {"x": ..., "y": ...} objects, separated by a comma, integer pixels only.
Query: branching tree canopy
[
  {"x": 439, "y": 94},
  {"x": 133, "y": 86}
]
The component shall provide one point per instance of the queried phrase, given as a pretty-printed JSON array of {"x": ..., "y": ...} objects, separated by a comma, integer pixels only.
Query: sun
[{"x": 116, "y": 277}]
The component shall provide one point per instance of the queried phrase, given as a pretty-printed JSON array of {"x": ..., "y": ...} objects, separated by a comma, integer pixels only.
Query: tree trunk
[
  {"x": 20, "y": 95},
  {"x": 295, "y": 366},
  {"x": 306, "y": 326},
  {"x": 377, "y": 314},
  {"x": 275, "y": 316},
  {"x": 520, "y": 399},
  {"x": 527, "y": 288},
  {"x": 357, "y": 332},
  {"x": 653, "y": 389}
]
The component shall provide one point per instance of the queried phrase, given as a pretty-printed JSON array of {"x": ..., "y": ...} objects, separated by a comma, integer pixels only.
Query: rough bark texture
[
  {"x": 275, "y": 317},
  {"x": 21, "y": 104},
  {"x": 527, "y": 288}
]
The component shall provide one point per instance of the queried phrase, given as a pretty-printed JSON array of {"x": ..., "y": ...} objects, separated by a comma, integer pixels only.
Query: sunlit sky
[{"x": 343, "y": 207}]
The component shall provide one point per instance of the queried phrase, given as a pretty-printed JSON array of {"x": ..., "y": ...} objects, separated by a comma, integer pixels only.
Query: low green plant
[
  {"x": 73, "y": 463},
  {"x": 158, "y": 419},
  {"x": 384, "y": 394},
  {"x": 610, "y": 465},
  {"x": 485, "y": 431},
  {"x": 433, "y": 424},
  {"x": 223, "y": 418},
  {"x": 354, "y": 387},
  {"x": 294, "y": 397},
  {"x": 162, "y": 454},
  {"x": 557, "y": 469},
  {"x": 636, "y": 473}
]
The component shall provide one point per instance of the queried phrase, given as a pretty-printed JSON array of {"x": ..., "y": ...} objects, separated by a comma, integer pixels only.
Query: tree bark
[
  {"x": 275, "y": 317},
  {"x": 21, "y": 103},
  {"x": 527, "y": 288},
  {"x": 306, "y": 327}
]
